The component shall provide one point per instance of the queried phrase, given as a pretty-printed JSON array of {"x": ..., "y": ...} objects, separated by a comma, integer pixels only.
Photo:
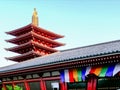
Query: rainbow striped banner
[{"x": 79, "y": 74}]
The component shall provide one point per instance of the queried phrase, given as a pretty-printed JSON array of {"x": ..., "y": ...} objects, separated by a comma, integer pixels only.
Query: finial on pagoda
[{"x": 35, "y": 18}]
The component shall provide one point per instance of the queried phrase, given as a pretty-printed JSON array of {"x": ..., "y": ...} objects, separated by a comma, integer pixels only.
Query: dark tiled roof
[{"x": 68, "y": 55}]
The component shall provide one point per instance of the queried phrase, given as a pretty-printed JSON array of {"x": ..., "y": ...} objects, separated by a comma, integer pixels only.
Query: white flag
[
  {"x": 87, "y": 70},
  {"x": 66, "y": 76},
  {"x": 116, "y": 69}
]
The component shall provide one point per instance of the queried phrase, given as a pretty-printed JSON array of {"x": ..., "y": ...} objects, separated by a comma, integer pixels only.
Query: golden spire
[{"x": 35, "y": 18}]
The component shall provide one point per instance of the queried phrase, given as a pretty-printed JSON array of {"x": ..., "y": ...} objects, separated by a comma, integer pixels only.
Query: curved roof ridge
[
  {"x": 91, "y": 45},
  {"x": 97, "y": 50}
]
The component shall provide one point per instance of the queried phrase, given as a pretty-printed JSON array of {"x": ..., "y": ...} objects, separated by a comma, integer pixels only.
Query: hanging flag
[
  {"x": 92, "y": 70},
  {"x": 75, "y": 75},
  {"x": 83, "y": 73},
  {"x": 71, "y": 78},
  {"x": 79, "y": 74},
  {"x": 66, "y": 75},
  {"x": 62, "y": 75},
  {"x": 110, "y": 70},
  {"x": 116, "y": 69},
  {"x": 95, "y": 70},
  {"x": 87, "y": 70},
  {"x": 98, "y": 70},
  {"x": 103, "y": 71}
]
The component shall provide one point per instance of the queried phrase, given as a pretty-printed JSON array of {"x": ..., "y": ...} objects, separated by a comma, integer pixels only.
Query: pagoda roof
[
  {"x": 80, "y": 53},
  {"x": 19, "y": 38},
  {"x": 30, "y": 44},
  {"x": 29, "y": 27},
  {"x": 25, "y": 56},
  {"x": 32, "y": 34}
]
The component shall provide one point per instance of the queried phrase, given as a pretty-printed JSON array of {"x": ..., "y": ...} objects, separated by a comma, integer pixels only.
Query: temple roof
[
  {"x": 32, "y": 34},
  {"x": 29, "y": 27},
  {"x": 28, "y": 45},
  {"x": 23, "y": 57},
  {"x": 19, "y": 38},
  {"x": 80, "y": 53}
]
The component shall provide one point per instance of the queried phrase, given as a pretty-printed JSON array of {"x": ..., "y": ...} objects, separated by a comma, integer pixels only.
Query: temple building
[
  {"x": 32, "y": 41},
  {"x": 41, "y": 67}
]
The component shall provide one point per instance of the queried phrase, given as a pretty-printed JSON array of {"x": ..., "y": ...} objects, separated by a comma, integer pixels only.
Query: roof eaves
[{"x": 67, "y": 60}]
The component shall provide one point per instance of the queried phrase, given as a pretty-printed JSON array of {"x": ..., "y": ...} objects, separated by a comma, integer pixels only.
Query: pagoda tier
[
  {"x": 32, "y": 46},
  {"x": 23, "y": 57},
  {"x": 37, "y": 38},
  {"x": 39, "y": 30},
  {"x": 33, "y": 41}
]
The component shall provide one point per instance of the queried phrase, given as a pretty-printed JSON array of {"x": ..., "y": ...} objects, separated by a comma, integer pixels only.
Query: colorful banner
[
  {"x": 116, "y": 69},
  {"x": 79, "y": 74}
]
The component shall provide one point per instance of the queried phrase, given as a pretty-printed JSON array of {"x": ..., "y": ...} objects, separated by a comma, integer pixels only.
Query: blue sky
[{"x": 82, "y": 22}]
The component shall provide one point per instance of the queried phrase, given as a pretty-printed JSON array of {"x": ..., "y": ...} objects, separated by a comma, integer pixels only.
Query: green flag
[
  {"x": 103, "y": 71},
  {"x": 79, "y": 74}
]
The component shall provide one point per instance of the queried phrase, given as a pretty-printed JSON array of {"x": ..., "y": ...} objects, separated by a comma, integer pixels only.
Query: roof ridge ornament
[{"x": 35, "y": 18}]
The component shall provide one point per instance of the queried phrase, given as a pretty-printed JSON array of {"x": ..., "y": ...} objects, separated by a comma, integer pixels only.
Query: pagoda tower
[{"x": 32, "y": 41}]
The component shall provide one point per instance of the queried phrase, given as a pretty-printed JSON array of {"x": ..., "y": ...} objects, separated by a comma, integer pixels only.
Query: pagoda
[{"x": 32, "y": 41}]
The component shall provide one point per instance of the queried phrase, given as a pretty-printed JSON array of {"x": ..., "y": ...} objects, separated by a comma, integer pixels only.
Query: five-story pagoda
[{"x": 32, "y": 41}]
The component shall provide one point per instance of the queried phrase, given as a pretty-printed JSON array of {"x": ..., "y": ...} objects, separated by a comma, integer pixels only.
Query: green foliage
[
  {"x": 10, "y": 87},
  {"x": 3, "y": 88},
  {"x": 17, "y": 87}
]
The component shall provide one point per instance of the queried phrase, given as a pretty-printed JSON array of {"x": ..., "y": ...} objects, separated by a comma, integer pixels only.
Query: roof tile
[{"x": 68, "y": 55}]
